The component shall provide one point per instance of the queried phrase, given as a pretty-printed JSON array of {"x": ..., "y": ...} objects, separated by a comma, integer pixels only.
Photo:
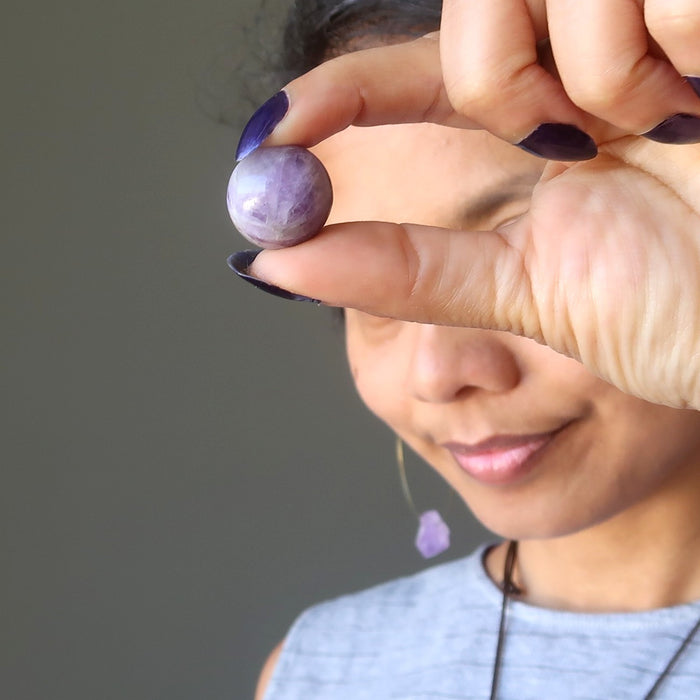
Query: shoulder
[
  {"x": 267, "y": 670},
  {"x": 433, "y": 590},
  {"x": 404, "y": 612},
  {"x": 385, "y": 633}
]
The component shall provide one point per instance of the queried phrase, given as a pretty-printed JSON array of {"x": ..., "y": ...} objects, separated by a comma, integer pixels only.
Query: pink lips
[{"x": 501, "y": 459}]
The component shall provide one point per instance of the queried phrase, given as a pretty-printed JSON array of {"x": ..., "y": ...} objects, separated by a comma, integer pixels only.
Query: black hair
[
  {"x": 260, "y": 55},
  {"x": 317, "y": 30}
]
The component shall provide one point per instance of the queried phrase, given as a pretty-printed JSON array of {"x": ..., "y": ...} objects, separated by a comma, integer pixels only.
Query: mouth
[{"x": 501, "y": 459}]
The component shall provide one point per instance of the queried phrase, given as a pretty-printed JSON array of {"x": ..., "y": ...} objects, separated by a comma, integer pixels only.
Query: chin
[{"x": 531, "y": 522}]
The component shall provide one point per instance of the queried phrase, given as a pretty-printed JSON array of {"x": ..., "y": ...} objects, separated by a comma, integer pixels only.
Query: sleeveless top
[{"x": 433, "y": 635}]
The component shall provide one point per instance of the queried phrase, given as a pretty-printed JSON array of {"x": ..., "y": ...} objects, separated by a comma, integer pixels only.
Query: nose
[{"x": 447, "y": 363}]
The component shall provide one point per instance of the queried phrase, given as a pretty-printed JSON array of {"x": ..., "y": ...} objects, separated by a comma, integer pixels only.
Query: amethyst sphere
[{"x": 279, "y": 196}]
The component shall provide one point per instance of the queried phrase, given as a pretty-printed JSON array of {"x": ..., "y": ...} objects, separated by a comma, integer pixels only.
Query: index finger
[
  {"x": 385, "y": 85},
  {"x": 403, "y": 83}
]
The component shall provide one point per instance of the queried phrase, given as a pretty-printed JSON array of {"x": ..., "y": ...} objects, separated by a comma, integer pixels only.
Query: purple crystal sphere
[
  {"x": 433, "y": 536},
  {"x": 279, "y": 196}
]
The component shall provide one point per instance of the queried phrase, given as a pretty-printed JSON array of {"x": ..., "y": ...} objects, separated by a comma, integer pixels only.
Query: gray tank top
[{"x": 433, "y": 635}]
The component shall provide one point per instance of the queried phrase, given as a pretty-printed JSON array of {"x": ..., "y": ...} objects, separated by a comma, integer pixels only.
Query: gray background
[{"x": 185, "y": 464}]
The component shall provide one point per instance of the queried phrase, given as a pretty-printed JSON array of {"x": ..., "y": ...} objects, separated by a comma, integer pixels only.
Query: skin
[
  {"x": 619, "y": 293},
  {"x": 622, "y": 470},
  {"x": 615, "y": 492},
  {"x": 606, "y": 64}
]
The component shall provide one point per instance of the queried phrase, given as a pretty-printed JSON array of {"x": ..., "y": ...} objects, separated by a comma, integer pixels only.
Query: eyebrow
[{"x": 498, "y": 195}]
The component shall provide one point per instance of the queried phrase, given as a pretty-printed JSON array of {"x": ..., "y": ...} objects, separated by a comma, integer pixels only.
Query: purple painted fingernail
[
  {"x": 559, "y": 142},
  {"x": 678, "y": 129},
  {"x": 262, "y": 124},
  {"x": 241, "y": 261},
  {"x": 694, "y": 82}
]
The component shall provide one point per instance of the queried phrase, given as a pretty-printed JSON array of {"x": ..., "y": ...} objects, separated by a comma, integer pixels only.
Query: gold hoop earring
[{"x": 433, "y": 536}]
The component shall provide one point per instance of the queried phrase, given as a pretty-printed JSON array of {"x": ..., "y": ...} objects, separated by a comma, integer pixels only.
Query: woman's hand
[
  {"x": 623, "y": 61},
  {"x": 605, "y": 266},
  {"x": 616, "y": 66}
]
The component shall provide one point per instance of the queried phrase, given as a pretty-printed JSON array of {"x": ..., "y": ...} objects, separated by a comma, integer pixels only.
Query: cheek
[
  {"x": 380, "y": 391},
  {"x": 379, "y": 383},
  {"x": 661, "y": 438}
]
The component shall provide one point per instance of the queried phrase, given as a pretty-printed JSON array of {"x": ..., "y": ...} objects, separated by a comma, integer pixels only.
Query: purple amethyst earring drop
[{"x": 433, "y": 536}]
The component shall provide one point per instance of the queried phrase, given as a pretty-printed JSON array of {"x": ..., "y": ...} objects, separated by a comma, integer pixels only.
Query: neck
[{"x": 613, "y": 567}]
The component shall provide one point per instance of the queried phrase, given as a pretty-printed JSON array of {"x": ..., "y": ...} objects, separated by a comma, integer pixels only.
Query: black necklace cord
[
  {"x": 509, "y": 588},
  {"x": 672, "y": 662}
]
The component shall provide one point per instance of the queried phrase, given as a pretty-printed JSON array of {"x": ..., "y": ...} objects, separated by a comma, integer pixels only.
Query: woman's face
[{"x": 534, "y": 444}]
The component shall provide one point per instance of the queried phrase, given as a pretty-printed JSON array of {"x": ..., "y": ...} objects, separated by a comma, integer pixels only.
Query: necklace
[{"x": 509, "y": 588}]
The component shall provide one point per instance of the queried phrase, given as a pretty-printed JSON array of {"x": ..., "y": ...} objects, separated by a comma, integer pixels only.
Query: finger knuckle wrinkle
[
  {"x": 477, "y": 100},
  {"x": 437, "y": 108},
  {"x": 484, "y": 90},
  {"x": 512, "y": 288},
  {"x": 469, "y": 94},
  {"x": 411, "y": 261},
  {"x": 605, "y": 91}
]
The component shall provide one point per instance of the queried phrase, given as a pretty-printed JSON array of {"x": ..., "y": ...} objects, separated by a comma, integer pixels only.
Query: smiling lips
[{"x": 502, "y": 459}]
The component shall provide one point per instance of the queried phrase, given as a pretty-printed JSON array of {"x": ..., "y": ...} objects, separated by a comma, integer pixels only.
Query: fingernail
[
  {"x": 240, "y": 263},
  {"x": 678, "y": 129},
  {"x": 559, "y": 142},
  {"x": 694, "y": 82},
  {"x": 262, "y": 124}
]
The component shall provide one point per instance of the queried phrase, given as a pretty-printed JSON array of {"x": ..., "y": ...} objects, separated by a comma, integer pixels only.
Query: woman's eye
[
  {"x": 512, "y": 217},
  {"x": 507, "y": 221}
]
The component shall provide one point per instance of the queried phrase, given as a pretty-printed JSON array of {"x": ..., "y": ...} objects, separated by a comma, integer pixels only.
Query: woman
[{"x": 597, "y": 480}]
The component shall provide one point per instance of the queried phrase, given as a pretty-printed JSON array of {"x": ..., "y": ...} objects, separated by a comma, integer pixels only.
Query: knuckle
[
  {"x": 480, "y": 94},
  {"x": 470, "y": 94},
  {"x": 492, "y": 86},
  {"x": 603, "y": 91}
]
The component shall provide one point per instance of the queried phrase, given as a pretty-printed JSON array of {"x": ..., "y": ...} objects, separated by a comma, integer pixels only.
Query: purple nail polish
[
  {"x": 241, "y": 261},
  {"x": 262, "y": 124},
  {"x": 694, "y": 82},
  {"x": 559, "y": 142},
  {"x": 678, "y": 129}
]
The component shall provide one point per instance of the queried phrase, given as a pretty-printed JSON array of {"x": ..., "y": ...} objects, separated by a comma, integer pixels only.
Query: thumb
[{"x": 413, "y": 273}]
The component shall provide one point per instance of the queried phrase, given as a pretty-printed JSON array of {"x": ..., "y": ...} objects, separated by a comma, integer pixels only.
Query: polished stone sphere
[{"x": 279, "y": 196}]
